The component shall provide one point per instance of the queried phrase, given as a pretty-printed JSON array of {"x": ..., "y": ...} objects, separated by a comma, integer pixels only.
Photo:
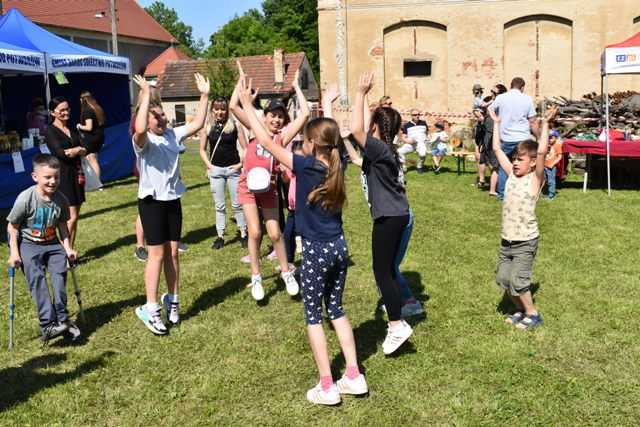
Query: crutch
[
  {"x": 12, "y": 274},
  {"x": 76, "y": 289}
]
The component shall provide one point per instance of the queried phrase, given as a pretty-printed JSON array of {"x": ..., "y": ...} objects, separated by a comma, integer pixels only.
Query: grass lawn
[{"x": 233, "y": 362}]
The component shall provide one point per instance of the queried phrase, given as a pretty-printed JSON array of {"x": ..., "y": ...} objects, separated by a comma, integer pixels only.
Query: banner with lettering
[
  {"x": 88, "y": 64},
  {"x": 21, "y": 60}
]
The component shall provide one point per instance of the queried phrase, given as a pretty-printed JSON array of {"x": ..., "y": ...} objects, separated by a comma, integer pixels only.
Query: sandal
[
  {"x": 514, "y": 318},
  {"x": 530, "y": 322}
]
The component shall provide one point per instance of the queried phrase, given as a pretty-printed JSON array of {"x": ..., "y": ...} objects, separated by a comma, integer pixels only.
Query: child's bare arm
[
  {"x": 14, "y": 252},
  {"x": 66, "y": 243},
  {"x": 543, "y": 143},
  {"x": 351, "y": 151},
  {"x": 303, "y": 115},
  {"x": 503, "y": 159},
  {"x": 330, "y": 95},
  {"x": 357, "y": 117}
]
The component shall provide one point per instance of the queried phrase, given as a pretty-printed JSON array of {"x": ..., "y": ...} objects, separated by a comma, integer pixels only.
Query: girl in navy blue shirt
[{"x": 320, "y": 196}]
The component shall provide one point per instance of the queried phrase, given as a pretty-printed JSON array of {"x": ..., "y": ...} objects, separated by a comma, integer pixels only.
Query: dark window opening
[
  {"x": 181, "y": 114},
  {"x": 417, "y": 68},
  {"x": 304, "y": 80}
]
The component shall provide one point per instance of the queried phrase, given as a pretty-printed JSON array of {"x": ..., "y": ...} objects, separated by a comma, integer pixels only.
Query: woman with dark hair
[
  {"x": 388, "y": 202},
  {"x": 91, "y": 126},
  {"x": 222, "y": 159},
  {"x": 64, "y": 143}
]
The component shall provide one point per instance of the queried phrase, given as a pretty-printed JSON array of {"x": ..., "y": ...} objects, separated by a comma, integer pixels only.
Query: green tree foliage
[
  {"x": 223, "y": 76},
  {"x": 288, "y": 24},
  {"x": 168, "y": 18}
]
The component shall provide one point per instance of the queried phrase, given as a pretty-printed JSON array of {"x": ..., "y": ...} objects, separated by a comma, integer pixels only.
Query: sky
[{"x": 206, "y": 16}]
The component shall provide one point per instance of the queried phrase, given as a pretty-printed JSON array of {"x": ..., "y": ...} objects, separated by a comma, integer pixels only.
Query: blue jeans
[
  {"x": 508, "y": 148},
  {"x": 402, "y": 251},
  {"x": 550, "y": 177},
  {"x": 218, "y": 178}
]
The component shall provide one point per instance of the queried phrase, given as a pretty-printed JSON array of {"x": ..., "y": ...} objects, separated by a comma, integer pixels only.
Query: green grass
[{"x": 232, "y": 362}]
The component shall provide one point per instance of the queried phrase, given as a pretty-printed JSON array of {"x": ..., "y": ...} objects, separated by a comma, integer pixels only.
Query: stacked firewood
[{"x": 587, "y": 114}]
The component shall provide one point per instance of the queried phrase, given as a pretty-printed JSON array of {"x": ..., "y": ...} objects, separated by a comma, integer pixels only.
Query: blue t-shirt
[{"x": 313, "y": 222}]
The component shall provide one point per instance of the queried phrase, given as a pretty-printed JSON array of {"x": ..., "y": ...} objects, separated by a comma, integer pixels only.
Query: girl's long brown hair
[
  {"x": 325, "y": 134},
  {"x": 88, "y": 101}
]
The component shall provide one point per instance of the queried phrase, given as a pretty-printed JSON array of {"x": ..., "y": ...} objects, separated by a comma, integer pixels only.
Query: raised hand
[
  {"x": 331, "y": 93},
  {"x": 240, "y": 70},
  {"x": 255, "y": 94},
  {"x": 244, "y": 91},
  {"x": 296, "y": 80},
  {"x": 550, "y": 113},
  {"x": 202, "y": 83},
  {"x": 365, "y": 83},
  {"x": 141, "y": 82}
]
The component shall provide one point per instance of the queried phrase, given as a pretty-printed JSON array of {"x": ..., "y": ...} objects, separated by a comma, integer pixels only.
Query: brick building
[{"x": 429, "y": 53}]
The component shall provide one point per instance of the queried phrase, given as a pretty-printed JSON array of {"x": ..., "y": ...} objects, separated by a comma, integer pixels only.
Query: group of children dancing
[{"x": 319, "y": 196}]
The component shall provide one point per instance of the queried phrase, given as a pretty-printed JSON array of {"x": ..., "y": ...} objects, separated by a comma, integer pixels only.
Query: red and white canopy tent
[{"x": 619, "y": 58}]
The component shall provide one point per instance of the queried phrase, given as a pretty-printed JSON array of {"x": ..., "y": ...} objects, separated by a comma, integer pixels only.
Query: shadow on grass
[
  {"x": 100, "y": 251},
  {"x": 98, "y": 316},
  {"x": 506, "y": 305},
  {"x": 215, "y": 296},
  {"x": 20, "y": 383}
]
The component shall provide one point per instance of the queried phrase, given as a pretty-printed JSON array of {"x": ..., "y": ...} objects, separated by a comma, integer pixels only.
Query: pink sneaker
[{"x": 246, "y": 259}]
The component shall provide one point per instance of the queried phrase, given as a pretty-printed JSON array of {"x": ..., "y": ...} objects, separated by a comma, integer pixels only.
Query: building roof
[
  {"x": 178, "y": 82},
  {"x": 157, "y": 66},
  {"x": 133, "y": 20}
]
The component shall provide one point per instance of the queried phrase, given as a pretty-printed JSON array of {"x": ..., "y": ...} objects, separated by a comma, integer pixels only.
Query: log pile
[{"x": 587, "y": 114}]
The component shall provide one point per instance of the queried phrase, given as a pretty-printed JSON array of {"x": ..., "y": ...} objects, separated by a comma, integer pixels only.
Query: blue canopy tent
[{"x": 106, "y": 76}]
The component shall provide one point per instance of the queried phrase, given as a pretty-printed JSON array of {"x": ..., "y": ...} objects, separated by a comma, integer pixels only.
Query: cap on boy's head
[
  {"x": 439, "y": 125},
  {"x": 43, "y": 159},
  {"x": 277, "y": 104},
  {"x": 554, "y": 134},
  {"x": 477, "y": 86}
]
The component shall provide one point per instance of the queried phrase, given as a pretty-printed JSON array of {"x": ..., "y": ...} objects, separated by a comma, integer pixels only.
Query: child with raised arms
[
  {"x": 276, "y": 118},
  {"x": 158, "y": 150},
  {"x": 320, "y": 197},
  {"x": 520, "y": 233},
  {"x": 389, "y": 205}
]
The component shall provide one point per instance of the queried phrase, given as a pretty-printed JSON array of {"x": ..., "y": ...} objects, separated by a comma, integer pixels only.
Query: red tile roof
[
  {"x": 177, "y": 81},
  {"x": 133, "y": 20},
  {"x": 157, "y": 66}
]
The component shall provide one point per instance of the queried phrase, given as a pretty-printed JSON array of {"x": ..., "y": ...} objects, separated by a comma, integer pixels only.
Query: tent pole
[
  {"x": 606, "y": 107},
  {"x": 47, "y": 87}
]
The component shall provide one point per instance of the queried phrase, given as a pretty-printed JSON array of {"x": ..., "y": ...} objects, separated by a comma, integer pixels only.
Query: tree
[
  {"x": 183, "y": 33},
  {"x": 223, "y": 76},
  {"x": 288, "y": 24}
]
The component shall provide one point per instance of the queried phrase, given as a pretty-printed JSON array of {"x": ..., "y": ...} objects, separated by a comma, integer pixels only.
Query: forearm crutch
[
  {"x": 76, "y": 289},
  {"x": 12, "y": 274}
]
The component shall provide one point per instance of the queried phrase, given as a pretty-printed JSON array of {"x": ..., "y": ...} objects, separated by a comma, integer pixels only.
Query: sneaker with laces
[
  {"x": 53, "y": 330},
  {"x": 152, "y": 321},
  {"x": 356, "y": 386},
  {"x": 218, "y": 243},
  {"x": 257, "y": 291},
  {"x": 396, "y": 337},
  {"x": 141, "y": 253},
  {"x": 411, "y": 308},
  {"x": 290, "y": 282},
  {"x": 318, "y": 396},
  {"x": 530, "y": 322},
  {"x": 182, "y": 247},
  {"x": 73, "y": 332},
  {"x": 171, "y": 310}
]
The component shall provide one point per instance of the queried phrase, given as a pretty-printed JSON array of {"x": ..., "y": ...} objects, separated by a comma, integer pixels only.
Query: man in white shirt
[{"x": 517, "y": 122}]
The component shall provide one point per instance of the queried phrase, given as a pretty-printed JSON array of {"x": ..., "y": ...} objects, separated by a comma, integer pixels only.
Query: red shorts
[{"x": 266, "y": 200}]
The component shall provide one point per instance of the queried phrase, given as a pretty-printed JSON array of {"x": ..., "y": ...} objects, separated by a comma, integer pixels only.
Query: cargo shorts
[{"x": 515, "y": 265}]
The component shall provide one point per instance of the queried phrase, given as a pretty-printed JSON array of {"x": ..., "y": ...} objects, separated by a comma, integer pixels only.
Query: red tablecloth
[{"x": 618, "y": 148}]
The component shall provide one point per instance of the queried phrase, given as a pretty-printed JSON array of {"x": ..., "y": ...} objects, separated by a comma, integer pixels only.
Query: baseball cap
[
  {"x": 477, "y": 86},
  {"x": 275, "y": 104}
]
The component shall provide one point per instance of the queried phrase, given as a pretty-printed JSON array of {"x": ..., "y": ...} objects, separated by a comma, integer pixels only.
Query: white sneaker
[
  {"x": 171, "y": 310},
  {"x": 355, "y": 386},
  {"x": 320, "y": 397},
  {"x": 257, "y": 291},
  {"x": 182, "y": 247},
  {"x": 291, "y": 283},
  {"x": 395, "y": 337},
  {"x": 152, "y": 321}
]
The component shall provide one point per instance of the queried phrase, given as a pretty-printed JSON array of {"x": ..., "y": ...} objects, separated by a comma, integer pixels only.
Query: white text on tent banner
[{"x": 88, "y": 64}]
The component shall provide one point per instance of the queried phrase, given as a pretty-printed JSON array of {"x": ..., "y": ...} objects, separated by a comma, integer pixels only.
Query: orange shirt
[{"x": 553, "y": 155}]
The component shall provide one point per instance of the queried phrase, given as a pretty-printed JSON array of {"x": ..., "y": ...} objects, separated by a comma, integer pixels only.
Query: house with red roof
[
  {"x": 272, "y": 74},
  {"x": 155, "y": 69},
  {"x": 88, "y": 22}
]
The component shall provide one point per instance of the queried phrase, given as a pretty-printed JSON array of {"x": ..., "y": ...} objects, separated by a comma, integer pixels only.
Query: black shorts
[
  {"x": 161, "y": 220},
  {"x": 488, "y": 157}
]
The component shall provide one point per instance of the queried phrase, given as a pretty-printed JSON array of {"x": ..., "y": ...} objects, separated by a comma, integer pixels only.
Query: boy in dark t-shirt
[{"x": 37, "y": 213}]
